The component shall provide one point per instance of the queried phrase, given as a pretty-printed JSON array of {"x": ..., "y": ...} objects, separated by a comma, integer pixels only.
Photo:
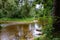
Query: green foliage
[
  {"x": 43, "y": 37},
  {"x": 11, "y": 9},
  {"x": 47, "y": 28},
  {"x": 46, "y": 20}
]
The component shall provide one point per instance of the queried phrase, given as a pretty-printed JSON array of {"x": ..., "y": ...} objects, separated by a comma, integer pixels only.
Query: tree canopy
[{"x": 24, "y": 8}]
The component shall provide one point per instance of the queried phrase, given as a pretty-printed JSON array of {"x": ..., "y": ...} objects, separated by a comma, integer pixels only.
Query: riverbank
[{"x": 17, "y": 20}]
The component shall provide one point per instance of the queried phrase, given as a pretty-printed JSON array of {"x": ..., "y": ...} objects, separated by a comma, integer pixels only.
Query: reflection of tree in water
[
  {"x": 19, "y": 32},
  {"x": 4, "y": 34}
]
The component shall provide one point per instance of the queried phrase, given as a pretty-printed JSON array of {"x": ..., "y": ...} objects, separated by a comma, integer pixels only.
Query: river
[{"x": 20, "y": 31}]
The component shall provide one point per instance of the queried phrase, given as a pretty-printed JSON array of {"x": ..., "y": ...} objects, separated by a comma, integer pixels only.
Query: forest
[
  {"x": 25, "y": 8},
  {"x": 28, "y": 11}
]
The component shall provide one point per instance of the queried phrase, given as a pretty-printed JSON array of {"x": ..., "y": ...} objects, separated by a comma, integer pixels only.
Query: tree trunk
[{"x": 56, "y": 13}]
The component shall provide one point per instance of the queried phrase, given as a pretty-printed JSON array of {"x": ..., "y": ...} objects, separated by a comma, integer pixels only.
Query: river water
[{"x": 20, "y": 31}]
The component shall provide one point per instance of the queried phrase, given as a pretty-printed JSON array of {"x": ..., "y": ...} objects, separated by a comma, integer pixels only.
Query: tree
[
  {"x": 48, "y": 7},
  {"x": 56, "y": 13},
  {"x": 8, "y": 8},
  {"x": 11, "y": 9}
]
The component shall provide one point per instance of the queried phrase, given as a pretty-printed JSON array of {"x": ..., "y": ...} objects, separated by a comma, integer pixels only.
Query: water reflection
[
  {"x": 4, "y": 34},
  {"x": 20, "y": 32}
]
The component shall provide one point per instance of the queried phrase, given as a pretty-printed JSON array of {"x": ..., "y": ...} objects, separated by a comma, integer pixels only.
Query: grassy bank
[{"x": 17, "y": 19}]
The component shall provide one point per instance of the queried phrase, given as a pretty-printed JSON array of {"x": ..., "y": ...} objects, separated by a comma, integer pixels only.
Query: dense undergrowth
[{"x": 47, "y": 28}]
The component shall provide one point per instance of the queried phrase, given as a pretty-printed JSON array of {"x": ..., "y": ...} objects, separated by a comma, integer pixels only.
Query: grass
[{"x": 17, "y": 19}]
